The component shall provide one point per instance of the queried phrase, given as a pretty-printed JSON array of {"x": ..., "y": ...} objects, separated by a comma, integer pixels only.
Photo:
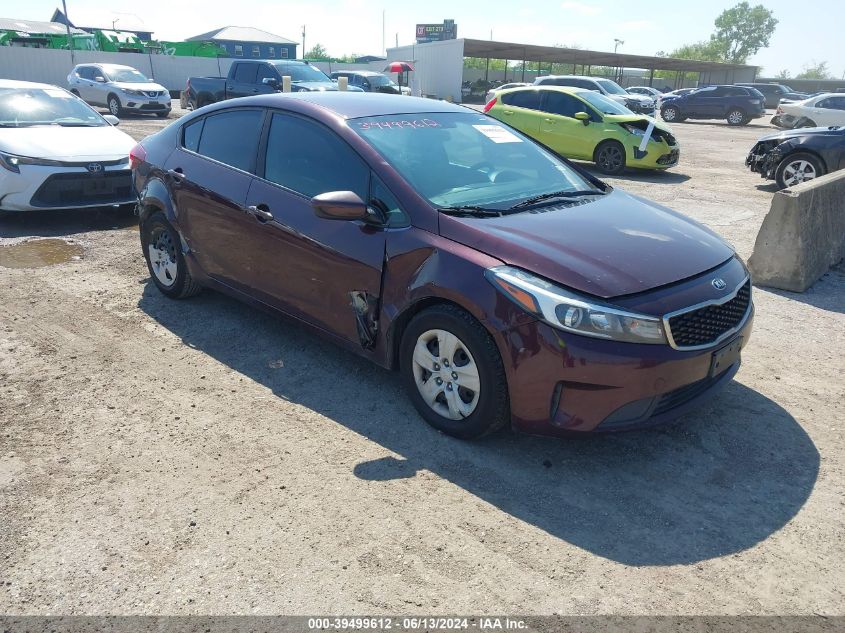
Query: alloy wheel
[
  {"x": 163, "y": 258},
  {"x": 669, "y": 114},
  {"x": 735, "y": 117},
  {"x": 610, "y": 158},
  {"x": 114, "y": 106},
  {"x": 446, "y": 374},
  {"x": 798, "y": 171}
]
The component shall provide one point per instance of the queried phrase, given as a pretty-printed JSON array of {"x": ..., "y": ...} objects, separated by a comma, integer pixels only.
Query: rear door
[
  {"x": 326, "y": 272},
  {"x": 560, "y": 130},
  {"x": 242, "y": 81},
  {"x": 211, "y": 172},
  {"x": 521, "y": 110},
  {"x": 829, "y": 111}
]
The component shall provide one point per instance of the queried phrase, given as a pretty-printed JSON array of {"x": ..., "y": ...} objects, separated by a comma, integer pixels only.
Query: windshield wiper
[
  {"x": 558, "y": 194},
  {"x": 76, "y": 124},
  {"x": 479, "y": 212}
]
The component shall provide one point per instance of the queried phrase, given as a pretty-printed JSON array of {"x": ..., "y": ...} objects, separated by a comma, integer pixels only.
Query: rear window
[
  {"x": 232, "y": 137},
  {"x": 523, "y": 99}
]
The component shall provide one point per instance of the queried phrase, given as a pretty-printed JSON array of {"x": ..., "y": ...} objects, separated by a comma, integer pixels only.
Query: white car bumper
[
  {"x": 71, "y": 186},
  {"x": 141, "y": 104}
]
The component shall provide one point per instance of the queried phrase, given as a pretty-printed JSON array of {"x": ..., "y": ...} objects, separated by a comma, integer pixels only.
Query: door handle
[
  {"x": 177, "y": 173},
  {"x": 548, "y": 121},
  {"x": 261, "y": 212},
  {"x": 507, "y": 112}
]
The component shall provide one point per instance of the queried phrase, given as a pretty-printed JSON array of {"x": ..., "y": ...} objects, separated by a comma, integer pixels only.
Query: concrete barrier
[{"x": 802, "y": 235}]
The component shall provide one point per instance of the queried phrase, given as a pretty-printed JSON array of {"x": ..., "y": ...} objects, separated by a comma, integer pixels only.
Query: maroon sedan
[{"x": 506, "y": 285}]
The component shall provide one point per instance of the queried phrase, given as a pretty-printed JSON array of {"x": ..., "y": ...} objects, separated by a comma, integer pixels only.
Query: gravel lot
[{"x": 202, "y": 457}]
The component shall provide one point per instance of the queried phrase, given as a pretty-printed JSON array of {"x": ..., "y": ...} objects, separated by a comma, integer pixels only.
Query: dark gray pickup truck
[{"x": 255, "y": 76}]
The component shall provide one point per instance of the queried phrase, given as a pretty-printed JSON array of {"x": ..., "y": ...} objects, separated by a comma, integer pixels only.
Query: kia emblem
[
  {"x": 719, "y": 284},
  {"x": 95, "y": 168}
]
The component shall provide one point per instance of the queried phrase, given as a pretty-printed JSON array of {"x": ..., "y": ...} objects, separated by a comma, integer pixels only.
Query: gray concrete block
[{"x": 802, "y": 235}]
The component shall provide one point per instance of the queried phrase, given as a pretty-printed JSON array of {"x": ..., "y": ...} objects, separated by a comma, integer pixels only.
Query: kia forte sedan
[{"x": 507, "y": 286}]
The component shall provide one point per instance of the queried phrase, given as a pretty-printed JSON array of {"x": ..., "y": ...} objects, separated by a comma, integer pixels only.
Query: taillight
[
  {"x": 137, "y": 155},
  {"x": 490, "y": 104}
]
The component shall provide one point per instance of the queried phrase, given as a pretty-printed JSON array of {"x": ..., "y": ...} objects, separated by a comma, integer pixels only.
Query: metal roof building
[{"x": 246, "y": 41}]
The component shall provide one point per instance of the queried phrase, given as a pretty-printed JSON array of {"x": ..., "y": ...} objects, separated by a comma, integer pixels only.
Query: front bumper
[
  {"x": 563, "y": 384},
  {"x": 763, "y": 160},
  {"x": 145, "y": 104},
  {"x": 67, "y": 187},
  {"x": 658, "y": 155}
]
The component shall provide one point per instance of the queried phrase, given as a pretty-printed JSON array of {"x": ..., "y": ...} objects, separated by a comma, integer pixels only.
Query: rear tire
[
  {"x": 797, "y": 168},
  {"x": 610, "y": 157},
  {"x": 163, "y": 253},
  {"x": 737, "y": 117},
  {"x": 446, "y": 354}
]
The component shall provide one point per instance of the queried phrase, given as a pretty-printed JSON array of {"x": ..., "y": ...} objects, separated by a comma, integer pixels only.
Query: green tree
[
  {"x": 815, "y": 70},
  {"x": 784, "y": 74},
  {"x": 743, "y": 30},
  {"x": 317, "y": 52}
]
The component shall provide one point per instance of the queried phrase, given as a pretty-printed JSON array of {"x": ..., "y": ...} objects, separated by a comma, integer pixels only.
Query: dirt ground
[{"x": 202, "y": 457}]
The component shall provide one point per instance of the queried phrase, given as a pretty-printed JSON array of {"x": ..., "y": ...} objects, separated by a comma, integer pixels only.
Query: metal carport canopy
[{"x": 558, "y": 55}]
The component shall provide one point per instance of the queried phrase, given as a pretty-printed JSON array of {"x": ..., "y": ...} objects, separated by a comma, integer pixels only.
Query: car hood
[
  {"x": 636, "y": 97},
  {"x": 66, "y": 143},
  {"x": 145, "y": 87},
  {"x": 317, "y": 86},
  {"x": 632, "y": 118},
  {"x": 804, "y": 131},
  {"x": 619, "y": 244}
]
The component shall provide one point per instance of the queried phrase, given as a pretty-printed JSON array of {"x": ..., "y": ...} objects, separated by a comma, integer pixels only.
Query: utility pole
[
  {"x": 383, "y": 31},
  {"x": 69, "y": 37},
  {"x": 113, "y": 22},
  {"x": 303, "y": 41}
]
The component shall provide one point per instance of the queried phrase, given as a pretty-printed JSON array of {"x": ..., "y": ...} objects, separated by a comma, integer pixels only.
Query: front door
[
  {"x": 210, "y": 173},
  {"x": 327, "y": 272},
  {"x": 243, "y": 82},
  {"x": 560, "y": 130}
]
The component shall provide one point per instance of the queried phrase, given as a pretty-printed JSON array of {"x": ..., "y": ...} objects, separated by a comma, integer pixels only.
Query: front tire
[
  {"x": 610, "y": 157},
  {"x": 797, "y": 168},
  {"x": 162, "y": 251},
  {"x": 737, "y": 117},
  {"x": 114, "y": 105},
  {"x": 453, "y": 373},
  {"x": 671, "y": 114}
]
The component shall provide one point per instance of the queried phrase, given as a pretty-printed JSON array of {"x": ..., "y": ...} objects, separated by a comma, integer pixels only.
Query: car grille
[
  {"x": 84, "y": 189},
  {"x": 706, "y": 325},
  {"x": 153, "y": 93},
  {"x": 153, "y": 106}
]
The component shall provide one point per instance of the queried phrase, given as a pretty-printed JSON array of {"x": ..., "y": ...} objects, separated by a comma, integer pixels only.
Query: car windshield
[
  {"x": 611, "y": 87},
  {"x": 302, "y": 72},
  {"x": 48, "y": 106},
  {"x": 602, "y": 103},
  {"x": 463, "y": 159},
  {"x": 128, "y": 76}
]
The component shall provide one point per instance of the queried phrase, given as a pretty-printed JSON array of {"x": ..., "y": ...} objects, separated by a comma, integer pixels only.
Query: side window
[
  {"x": 837, "y": 103},
  {"x": 306, "y": 157},
  {"x": 96, "y": 72},
  {"x": 523, "y": 99},
  {"x": 718, "y": 92},
  {"x": 381, "y": 197},
  {"x": 86, "y": 72},
  {"x": 191, "y": 135},
  {"x": 232, "y": 138},
  {"x": 824, "y": 103},
  {"x": 239, "y": 50},
  {"x": 562, "y": 104},
  {"x": 266, "y": 72},
  {"x": 245, "y": 73}
]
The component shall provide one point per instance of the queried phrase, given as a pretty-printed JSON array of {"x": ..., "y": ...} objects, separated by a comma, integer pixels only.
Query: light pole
[
  {"x": 69, "y": 38},
  {"x": 113, "y": 22},
  {"x": 303, "y": 41},
  {"x": 618, "y": 42}
]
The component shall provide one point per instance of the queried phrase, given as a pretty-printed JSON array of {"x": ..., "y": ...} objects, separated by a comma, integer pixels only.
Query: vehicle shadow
[
  {"x": 770, "y": 186},
  {"x": 717, "y": 483},
  {"x": 658, "y": 177},
  {"x": 59, "y": 223}
]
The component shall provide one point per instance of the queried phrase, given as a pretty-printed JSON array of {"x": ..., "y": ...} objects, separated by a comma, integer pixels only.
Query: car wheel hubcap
[
  {"x": 735, "y": 117},
  {"x": 446, "y": 374},
  {"x": 797, "y": 172},
  {"x": 162, "y": 253},
  {"x": 610, "y": 158},
  {"x": 669, "y": 114},
  {"x": 114, "y": 107}
]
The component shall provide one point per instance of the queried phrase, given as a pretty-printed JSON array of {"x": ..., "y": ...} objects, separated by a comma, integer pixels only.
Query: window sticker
[
  {"x": 394, "y": 125},
  {"x": 498, "y": 134}
]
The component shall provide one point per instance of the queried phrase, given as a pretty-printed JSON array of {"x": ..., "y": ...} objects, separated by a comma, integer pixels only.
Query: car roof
[
  {"x": 569, "y": 77},
  {"x": 567, "y": 89},
  {"x": 366, "y": 73},
  {"x": 107, "y": 65},
  {"x": 15, "y": 83},
  {"x": 352, "y": 105}
]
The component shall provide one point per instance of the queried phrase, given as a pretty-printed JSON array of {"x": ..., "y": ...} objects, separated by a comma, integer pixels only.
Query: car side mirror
[
  {"x": 270, "y": 81},
  {"x": 100, "y": 80},
  {"x": 112, "y": 119},
  {"x": 583, "y": 117},
  {"x": 340, "y": 205}
]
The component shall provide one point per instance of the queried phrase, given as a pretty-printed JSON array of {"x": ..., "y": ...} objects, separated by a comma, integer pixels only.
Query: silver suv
[
  {"x": 119, "y": 88},
  {"x": 634, "y": 102}
]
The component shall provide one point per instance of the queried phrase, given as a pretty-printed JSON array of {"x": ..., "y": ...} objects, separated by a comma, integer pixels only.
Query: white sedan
[
  {"x": 58, "y": 153},
  {"x": 824, "y": 110},
  {"x": 494, "y": 91}
]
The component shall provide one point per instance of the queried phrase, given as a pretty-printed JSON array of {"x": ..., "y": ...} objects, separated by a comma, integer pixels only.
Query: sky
[{"x": 812, "y": 33}]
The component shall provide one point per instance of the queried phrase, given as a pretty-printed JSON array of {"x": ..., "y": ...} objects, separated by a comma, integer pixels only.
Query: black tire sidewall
[
  {"x": 487, "y": 415},
  {"x": 148, "y": 226},
  {"x": 793, "y": 157},
  {"x": 620, "y": 147}
]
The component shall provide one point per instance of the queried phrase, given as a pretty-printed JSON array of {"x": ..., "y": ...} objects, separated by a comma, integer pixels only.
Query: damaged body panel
[{"x": 798, "y": 155}]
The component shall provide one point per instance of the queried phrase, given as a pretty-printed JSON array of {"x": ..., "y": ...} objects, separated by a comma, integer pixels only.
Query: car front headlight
[
  {"x": 572, "y": 312},
  {"x": 12, "y": 162},
  {"x": 134, "y": 93},
  {"x": 633, "y": 129}
]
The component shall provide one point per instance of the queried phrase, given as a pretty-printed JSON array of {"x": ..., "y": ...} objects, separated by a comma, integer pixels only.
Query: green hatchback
[{"x": 585, "y": 125}]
